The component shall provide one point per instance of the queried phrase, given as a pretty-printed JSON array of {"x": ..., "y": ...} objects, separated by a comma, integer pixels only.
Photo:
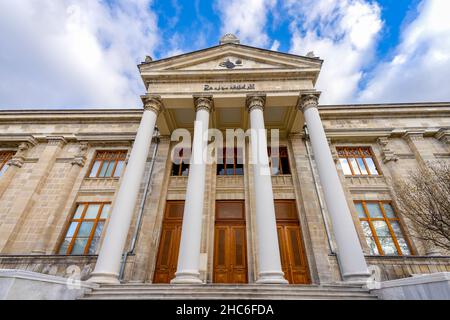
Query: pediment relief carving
[{"x": 231, "y": 57}]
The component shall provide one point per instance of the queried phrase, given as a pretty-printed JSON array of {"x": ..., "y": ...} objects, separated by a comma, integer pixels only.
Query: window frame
[
  {"x": 80, "y": 221},
  {"x": 235, "y": 163},
  {"x": 180, "y": 164},
  {"x": 5, "y": 156},
  {"x": 280, "y": 165},
  {"x": 363, "y": 157},
  {"x": 116, "y": 160},
  {"x": 388, "y": 221}
]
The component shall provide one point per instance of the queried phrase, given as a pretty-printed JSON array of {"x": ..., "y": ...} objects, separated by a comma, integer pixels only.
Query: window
[
  {"x": 279, "y": 163},
  {"x": 5, "y": 156},
  {"x": 382, "y": 228},
  {"x": 85, "y": 229},
  {"x": 180, "y": 165},
  {"x": 231, "y": 162},
  {"x": 357, "y": 161},
  {"x": 108, "y": 164}
]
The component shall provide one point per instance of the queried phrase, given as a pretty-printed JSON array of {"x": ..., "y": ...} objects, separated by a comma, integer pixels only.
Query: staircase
[{"x": 141, "y": 291}]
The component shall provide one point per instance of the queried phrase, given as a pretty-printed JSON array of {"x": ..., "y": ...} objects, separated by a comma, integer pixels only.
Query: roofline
[
  {"x": 140, "y": 110},
  {"x": 230, "y": 44},
  {"x": 386, "y": 105}
]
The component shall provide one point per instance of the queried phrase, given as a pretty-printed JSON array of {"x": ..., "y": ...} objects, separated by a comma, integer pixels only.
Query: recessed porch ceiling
[{"x": 232, "y": 114}]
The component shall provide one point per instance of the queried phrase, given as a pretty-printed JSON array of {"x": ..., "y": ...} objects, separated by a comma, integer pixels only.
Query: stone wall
[{"x": 40, "y": 196}]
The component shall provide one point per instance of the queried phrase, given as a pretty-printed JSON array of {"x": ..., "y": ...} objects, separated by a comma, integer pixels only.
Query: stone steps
[{"x": 227, "y": 292}]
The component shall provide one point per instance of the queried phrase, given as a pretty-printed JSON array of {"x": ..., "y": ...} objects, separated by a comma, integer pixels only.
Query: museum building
[{"x": 109, "y": 195}]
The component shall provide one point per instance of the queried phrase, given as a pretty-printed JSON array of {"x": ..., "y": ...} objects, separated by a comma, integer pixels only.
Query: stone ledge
[
  {"x": 28, "y": 285},
  {"x": 434, "y": 286}
]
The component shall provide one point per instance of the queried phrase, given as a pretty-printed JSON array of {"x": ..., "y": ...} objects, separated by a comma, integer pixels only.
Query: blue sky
[{"x": 83, "y": 53}]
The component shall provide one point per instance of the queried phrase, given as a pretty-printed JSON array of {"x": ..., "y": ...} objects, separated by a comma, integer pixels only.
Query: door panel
[
  {"x": 293, "y": 256},
  {"x": 221, "y": 256},
  {"x": 230, "y": 250},
  {"x": 167, "y": 259},
  {"x": 230, "y": 259}
]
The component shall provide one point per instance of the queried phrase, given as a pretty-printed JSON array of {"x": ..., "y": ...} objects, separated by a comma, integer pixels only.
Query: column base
[
  {"x": 106, "y": 278},
  {"x": 357, "y": 278},
  {"x": 271, "y": 277},
  {"x": 38, "y": 252},
  {"x": 187, "y": 277}
]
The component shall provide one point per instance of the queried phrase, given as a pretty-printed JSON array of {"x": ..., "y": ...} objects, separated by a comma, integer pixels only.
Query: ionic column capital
[
  {"x": 203, "y": 102},
  {"x": 152, "y": 103},
  {"x": 308, "y": 100},
  {"x": 255, "y": 101}
]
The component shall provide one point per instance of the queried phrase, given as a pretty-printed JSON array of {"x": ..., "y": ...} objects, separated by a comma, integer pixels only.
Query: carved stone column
[
  {"x": 269, "y": 261},
  {"x": 107, "y": 267},
  {"x": 350, "y": 255},
  {"x": 191, "y": 231}
]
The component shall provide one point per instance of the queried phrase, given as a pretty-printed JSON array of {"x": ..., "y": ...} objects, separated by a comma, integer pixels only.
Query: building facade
[{"x": 102, "y": 194}]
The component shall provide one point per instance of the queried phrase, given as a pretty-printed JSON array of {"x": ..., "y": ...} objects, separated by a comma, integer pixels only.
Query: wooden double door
[
  {"x": 169, "y": 243},
  {"x": 292, "y": 251},
  {"x": 230, "y": 243}
]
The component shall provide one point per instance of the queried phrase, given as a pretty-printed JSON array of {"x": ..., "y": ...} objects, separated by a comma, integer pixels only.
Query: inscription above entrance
[{"x": 229, "y": 87}]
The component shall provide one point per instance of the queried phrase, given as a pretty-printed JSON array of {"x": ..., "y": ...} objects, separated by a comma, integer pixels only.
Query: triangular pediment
[{"x": 231, "y": 57}]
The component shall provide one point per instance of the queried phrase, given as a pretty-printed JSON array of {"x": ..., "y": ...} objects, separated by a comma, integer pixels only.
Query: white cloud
[
  {"x": 275, "y": 45},
  {"x": 343, "y": 33},
  {"x": 420, "y": 67},
  {"x": 246, "y": 19},
  {"x": 73, "y": 53}
]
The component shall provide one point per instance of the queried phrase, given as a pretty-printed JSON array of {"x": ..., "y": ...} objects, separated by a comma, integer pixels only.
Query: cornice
[
  {"x": 71, "y": 116},
  {"x": 18, "y": 139},
  {"x": 400, "y": 110}
]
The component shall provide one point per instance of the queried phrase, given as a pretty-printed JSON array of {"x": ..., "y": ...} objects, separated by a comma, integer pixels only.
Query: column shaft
[
  {"x": 269, "y": 260},
  {"x": 191, "y": 232},
  {"x": 351, "y": 258},
  {"x": 107, "y": 267}
]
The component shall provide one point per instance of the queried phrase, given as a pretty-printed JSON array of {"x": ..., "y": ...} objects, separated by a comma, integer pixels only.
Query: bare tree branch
[{"x": 424, "y": 199}]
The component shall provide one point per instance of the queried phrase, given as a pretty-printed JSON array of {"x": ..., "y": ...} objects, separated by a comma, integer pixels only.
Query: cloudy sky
[{"x": 83, "y": 53}]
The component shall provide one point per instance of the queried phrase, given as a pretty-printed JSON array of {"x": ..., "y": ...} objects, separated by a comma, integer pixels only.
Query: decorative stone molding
[
  {"x": 230, "y": 182},
  {"x": 127, "y": 157},
  {"x": 334, "y": 153},
  {"x": 80, "y": 157},
  {"x": 229, "y": 38},
  {"x": 107, "y": 185},
  {"x": 58, "y": 141},
  {"x": 308, "y": 100},
  {"x": 255, "y": 101},
  {"x": 386, "y": 153},
  {"x": 411, "y": 136},
  {"x": 203, "y": 102},
  {"x": 19, "y": 158},
  {"x": 443, "y": 135},
  {"x": 152, "y": 103}
]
